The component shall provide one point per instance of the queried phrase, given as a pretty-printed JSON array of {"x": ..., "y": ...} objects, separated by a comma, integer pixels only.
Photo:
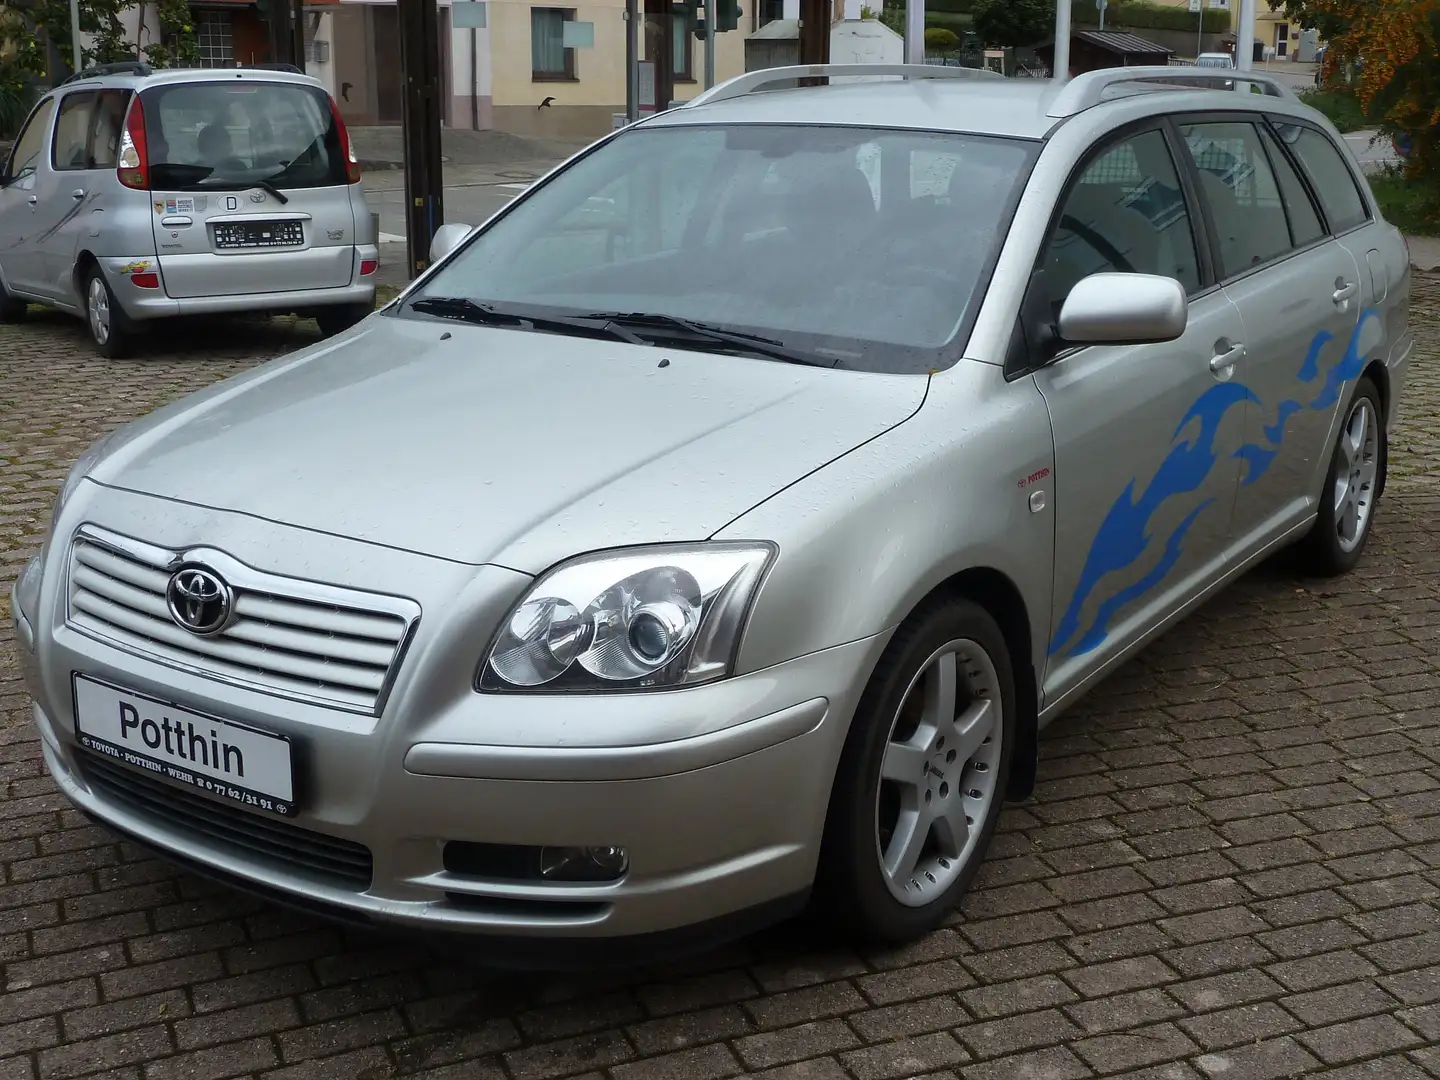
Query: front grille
[
  {"x": 304, "y": 649},
  {"x": 321, "y": 858}
]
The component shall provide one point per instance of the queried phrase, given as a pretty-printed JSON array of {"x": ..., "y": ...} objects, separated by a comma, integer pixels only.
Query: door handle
[
  {"x": 34, "y": 199},
  {"x": 1223, "y": 361},
  {"x": 78, "y": 193},
  {"x": 1344, "y": 290}
]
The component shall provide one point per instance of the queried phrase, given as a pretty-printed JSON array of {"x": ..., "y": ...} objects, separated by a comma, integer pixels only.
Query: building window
[
  {"x": 549, "y": 59},
  {"x": 767, "y": 11},
  {"x": 684, "y": 36},
  {"x": 215, "y": 39}
]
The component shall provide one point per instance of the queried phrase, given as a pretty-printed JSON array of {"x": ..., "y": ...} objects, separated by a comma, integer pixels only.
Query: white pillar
[
  {"x": 1245, "y": 35},
  {"x": 1062, "y": 40},
  {"x": 914, "y": 31}
]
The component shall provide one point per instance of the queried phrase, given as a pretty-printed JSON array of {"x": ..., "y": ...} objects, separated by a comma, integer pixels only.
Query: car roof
[
  {"x": 925, "y": 101},
  {"x": 141, "y": 79}
]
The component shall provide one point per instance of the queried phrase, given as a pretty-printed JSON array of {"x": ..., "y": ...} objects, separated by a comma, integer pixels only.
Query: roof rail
[
  {"x": 1090, "y": 89},
  {"x": 123, "y": 67},
  {"x": 752, "y": 81}
]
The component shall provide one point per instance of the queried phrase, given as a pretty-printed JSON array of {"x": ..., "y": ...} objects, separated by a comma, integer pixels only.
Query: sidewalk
[{"x": 380, "y": 148}]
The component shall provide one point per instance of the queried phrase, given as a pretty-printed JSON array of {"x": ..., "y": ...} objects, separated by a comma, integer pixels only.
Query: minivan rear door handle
[
  {"x": 34, "y": 199},
  {"x": 78, "y": 193}
]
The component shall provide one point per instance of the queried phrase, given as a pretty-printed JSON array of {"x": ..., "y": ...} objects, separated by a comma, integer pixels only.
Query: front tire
[
  {"x": 109, "y": 329},
  {"x": 338, "y": 319},
  {"x": 1352, "y": 488},
  {"x": 922, "y": 777}
]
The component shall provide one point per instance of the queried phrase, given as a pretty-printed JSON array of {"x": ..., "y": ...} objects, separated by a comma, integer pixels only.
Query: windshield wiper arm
[
  {"x": 466, "y": 310},
  {"x": 754, "y": 343},
  {"x": 225, "y": 183}
]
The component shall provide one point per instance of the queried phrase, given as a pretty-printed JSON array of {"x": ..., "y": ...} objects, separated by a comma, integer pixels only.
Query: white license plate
[{"x": 224, "y": 758}]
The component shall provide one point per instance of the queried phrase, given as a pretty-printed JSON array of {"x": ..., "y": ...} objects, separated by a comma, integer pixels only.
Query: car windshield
[
  {"x": 858, "y": 248},
  {"x": 241, "y": 133}
]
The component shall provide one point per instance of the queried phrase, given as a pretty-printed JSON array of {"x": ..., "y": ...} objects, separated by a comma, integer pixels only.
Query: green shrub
[
  {"x": 1339, "y": 104},
  {"x": 940, "y": 39},
  {"x": 1139, "y": 15},
  {"x": 1406, "y": 203}
]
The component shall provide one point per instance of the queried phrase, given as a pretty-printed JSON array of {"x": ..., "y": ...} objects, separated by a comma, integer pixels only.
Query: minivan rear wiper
[
  {"x": 467, "y": 310},
  {"x": 219, "y": 183},
  {"x": 752, "y": 343}
]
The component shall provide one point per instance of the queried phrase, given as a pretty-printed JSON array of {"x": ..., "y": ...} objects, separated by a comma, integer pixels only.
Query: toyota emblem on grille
[{"x": 199, "y": 600}]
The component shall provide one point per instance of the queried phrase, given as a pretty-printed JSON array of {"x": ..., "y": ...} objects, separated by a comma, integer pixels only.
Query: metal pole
[
  {"x": 710, "y": 24},
  {"x": 1245, "y": 36},
  {"x": 915, "y": 31},
  {"x": 632, "y": 63},
  {"x": 1199, "y": 28},
  {"x": 1062, "y": 40},
  {"x": 420, "y": 116},
  {"x": 75, "y": 35}
]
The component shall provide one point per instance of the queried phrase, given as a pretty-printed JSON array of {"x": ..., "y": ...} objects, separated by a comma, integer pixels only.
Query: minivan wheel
[
  {"x": 108, "y": 327},
  {"x": 1352, "y": 488},
  {"x": 341, "y": 317},
  {"x": 922, "y": 776},
  {"x": 11, "y": 309}
]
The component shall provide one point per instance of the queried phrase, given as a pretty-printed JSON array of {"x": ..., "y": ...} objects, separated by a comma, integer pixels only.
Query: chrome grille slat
[{"x": 295, "y": 647}]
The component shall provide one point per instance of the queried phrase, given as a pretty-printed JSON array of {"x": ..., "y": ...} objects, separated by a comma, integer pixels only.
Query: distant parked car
[
  {"x": 1215, "y": 60},
  {"x": 132, "y": 195}
]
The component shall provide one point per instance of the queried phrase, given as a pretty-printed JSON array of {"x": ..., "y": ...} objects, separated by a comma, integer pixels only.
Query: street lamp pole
[
  {"x": 1062, "y": 40},
  {"x": 75, "y": 35},
  {"x": 1245, "y": 36}
]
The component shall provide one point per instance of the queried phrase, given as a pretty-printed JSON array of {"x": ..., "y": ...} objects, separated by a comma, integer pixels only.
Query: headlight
[{"x": 638, "y": 619}]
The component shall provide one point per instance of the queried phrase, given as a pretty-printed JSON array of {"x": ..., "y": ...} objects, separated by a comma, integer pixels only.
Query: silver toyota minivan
[{"x": 132, "y": 194}]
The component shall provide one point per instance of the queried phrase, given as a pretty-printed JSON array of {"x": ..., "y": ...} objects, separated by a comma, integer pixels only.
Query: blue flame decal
[{"x": 1124, "y": 534}]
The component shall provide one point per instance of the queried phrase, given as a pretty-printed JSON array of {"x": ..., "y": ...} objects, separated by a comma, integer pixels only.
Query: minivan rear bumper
[{"x": 145, "y": 304}]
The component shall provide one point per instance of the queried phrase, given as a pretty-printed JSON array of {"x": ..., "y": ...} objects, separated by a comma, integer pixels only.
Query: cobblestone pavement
[{"x": 1230, "y": 869}]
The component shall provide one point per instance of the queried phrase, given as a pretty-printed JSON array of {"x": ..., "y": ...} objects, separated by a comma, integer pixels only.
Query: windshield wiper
[
  {"x": 752, "y": 343},
  {"x": 223, "y": 183},
  {"x": 467, "y": 310}
]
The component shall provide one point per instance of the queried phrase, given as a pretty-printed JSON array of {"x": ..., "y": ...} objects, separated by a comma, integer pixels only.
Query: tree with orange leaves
[{"x": 1397, "y": 46}]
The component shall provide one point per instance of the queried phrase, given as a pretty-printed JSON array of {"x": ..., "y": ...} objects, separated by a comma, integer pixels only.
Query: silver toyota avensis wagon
[
  {"x": 715, "y": 527},
  {"x": 132, "y": 195}
]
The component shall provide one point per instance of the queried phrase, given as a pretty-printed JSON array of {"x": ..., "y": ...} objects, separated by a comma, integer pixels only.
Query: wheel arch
[{"x": 1379, "y": 374}]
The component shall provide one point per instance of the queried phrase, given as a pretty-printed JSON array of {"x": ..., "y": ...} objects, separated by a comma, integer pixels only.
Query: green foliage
[
  {"x": 1329, "y": 24},
  {"x": 1339, "y": 104},
  {"x": 940, "y": 39},
  {"x": 16, "y": 97},
  {"x": 1140, "y": 15},
  {"x": 957, "y": 24},
  {"x": 177, "y": 46},
  {"x": 1407, "y": 203},
  {"x": 1010, "y": 23}
]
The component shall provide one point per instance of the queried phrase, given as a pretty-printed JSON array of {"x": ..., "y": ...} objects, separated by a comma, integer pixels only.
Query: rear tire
[
  {"x": 1352, "y": 488},
  {"x": 922, "y": 778},
  {"x": 109, "y": 328},
  {"x": 12, "y": 310},
  {"x": 341, "y": 317}
]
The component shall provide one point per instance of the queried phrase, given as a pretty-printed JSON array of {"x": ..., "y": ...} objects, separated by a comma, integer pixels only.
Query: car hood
[{"x": 502, "y": 446}]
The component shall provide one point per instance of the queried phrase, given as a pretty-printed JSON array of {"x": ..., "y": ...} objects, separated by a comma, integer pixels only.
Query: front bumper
[{"x": 718, "y": 793}]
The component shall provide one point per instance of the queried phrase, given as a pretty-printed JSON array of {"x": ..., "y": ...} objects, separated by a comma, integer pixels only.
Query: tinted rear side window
[
  {"x": 229, "y": 134},
  {"x": 1332, "y": 178}
]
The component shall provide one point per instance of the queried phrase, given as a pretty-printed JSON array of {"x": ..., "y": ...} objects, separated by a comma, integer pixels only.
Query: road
[
  {"x": 471, "y": 195},
  {"x": 1230, "y": 869}
]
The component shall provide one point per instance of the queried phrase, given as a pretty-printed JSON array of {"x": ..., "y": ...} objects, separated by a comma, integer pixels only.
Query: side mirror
[
  {"x": 1124, "y": 309},
  {"x": 447, "y": 238}
]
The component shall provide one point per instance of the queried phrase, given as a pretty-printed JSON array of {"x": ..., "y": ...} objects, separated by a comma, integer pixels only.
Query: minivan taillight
[
  {"x": 134, "y": 164},
  {"x": 352, "y": 167}
]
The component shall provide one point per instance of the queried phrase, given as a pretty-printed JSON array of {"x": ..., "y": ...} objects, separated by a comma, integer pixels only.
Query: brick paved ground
[{"x": 1230, "y": 869}]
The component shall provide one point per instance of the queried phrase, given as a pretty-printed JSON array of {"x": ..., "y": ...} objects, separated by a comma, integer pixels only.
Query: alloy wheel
[
  {"x": 1357, "y": 465},
  {"x": 98, "y": 304},
  {"x": 939, "y": 773}
]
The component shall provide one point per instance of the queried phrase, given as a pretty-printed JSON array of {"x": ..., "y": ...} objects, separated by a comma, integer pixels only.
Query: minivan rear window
[{"x": 217, "y": 135}]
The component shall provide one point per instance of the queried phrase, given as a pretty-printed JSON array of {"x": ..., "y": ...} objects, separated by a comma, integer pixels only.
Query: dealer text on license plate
[{"x": 224, "y": 758}]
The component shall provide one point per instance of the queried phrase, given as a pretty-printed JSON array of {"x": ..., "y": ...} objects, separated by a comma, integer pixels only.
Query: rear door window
[
  {"x": 241, "y": 133},
  {"x": 72, "y": 132},
  {"x": 1332, "y": 178},
  {"x": 1237, "y": 182}
]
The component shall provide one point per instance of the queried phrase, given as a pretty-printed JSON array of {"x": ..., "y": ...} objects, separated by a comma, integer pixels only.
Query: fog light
[
  {"x": 583, "y": 863},
  {"x": 369, "y": 266},
  {"x": 145, "y": 281}
]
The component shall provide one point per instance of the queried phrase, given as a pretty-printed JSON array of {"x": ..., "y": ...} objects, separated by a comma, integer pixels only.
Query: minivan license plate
[
  {"x": 232, "y": 235},
  {"x": 230, "y": 760}
]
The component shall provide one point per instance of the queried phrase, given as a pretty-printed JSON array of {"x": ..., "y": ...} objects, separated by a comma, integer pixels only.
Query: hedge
[{"x": 1137, "y": 15}]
